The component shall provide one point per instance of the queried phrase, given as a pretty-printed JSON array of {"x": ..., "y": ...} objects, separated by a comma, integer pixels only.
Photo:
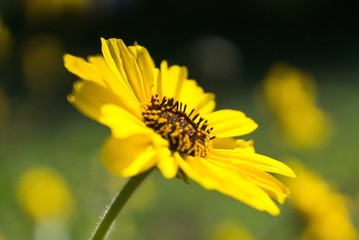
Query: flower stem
[{"x": 117, "y": 204}]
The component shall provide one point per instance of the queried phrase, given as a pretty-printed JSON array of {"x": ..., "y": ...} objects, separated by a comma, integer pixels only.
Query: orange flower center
[{"x": 185, "y": 133}]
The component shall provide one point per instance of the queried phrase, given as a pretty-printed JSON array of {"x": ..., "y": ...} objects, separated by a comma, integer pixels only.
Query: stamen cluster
[{"x": 185, "y": 133}]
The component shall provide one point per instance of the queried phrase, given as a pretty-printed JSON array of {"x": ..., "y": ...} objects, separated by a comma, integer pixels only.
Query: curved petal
[
  {"x": 122, "y": 123},
  {"x": 232, "y": 143},
  {"x": 131, "y": 156},
  {"x": 146, "y": 66},
  {"x": 170, "y": 80},
  {"x": 211, "y": 175},
  {"x": 110, "y": 81},
  {"x": 83, "y": 69},
  {"x": 263, "y": 180},
  {"x": 275, "y": 188},
  {"x": 167, "y": 164},
  {"x": 195, "y": 98},
  {"x": 230, "y": 123},
  {"x": 89, "y": 98},
  {"x": 241, "y": 158},
  {"x": 97, "y": 71},
  {"x": 124, "y": 66}
]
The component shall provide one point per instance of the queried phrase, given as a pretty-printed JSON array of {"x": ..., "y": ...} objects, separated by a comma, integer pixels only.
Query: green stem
[{"x": 117, "y": 204}]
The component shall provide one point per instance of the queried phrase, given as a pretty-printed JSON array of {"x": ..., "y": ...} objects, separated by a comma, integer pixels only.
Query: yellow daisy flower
[
  {"x": 44, "y": 195},
  {"x": 160, "y": 118},
  {"x": 326, "y": 212},
  {"x": 291, "y": 96}
]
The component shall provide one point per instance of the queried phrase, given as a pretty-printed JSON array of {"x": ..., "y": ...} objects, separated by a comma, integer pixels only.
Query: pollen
[{"x": 187, "y": 133}]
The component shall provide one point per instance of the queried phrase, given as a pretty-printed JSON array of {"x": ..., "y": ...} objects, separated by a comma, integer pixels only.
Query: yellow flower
[
  {"x": 44, "y": 194},
  {"x": 291, "y": 96},
  {"x": 228, "y": 230},
  {"x": 160, "y": 118},
  {"x": 325, "y": 211},
  {"x": 6, "y": 42}
]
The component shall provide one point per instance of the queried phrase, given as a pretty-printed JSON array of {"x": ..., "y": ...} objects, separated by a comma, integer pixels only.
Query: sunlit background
[{"x": 292, "y": 66}]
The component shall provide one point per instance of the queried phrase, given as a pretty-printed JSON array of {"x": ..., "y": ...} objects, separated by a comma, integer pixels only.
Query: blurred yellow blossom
[
  {"x": 291, "y": 95},
  {"x": 41, "y": 59},
  {"x": 39, "y": 10},
  {"x": 6, "y": 41},
  {"x": 325, "y": 211},
  {"x": 2, "y": 237},
  {"x": 229, "y": 230},
  {"x": 45, "y": 195}
]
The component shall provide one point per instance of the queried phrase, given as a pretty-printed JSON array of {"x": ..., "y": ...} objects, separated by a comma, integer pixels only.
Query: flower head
[
  {"x": 160, "y": 118},
  {"x": 291, "y": 96},
  {"x": 44, "y": 194},
  {"x": 326, "y": 212}
]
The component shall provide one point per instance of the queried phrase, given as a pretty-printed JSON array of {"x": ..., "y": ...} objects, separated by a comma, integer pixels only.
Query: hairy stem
[{"x": 117, "y": 204}]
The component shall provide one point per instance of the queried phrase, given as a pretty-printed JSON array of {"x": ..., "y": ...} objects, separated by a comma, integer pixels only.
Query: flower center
[{"x": 185, "y": 133}]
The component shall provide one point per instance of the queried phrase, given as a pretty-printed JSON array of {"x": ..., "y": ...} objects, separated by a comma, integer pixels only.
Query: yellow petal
[
  {"x": 171, "y": 80},
  {"x": 230, "y": 123},
  {"x": 146, "y": 66},
  {"x": 195, "y": 98},
  {"x": 122, "y": 123},
  {"x": 97, "y": 71},
  {"x": 130, "y": 156},
  {"x": 89, "y": 97},
  {"x": 217, "y": 177},
  {"x": 232, "y": 143},
  {"x": 111, "y": 82},
  {"x": 265, "y": 181},
  {"x": 124, "y": 66},
  {"x": 167, "y": 164},
  {"x": 258, "y": 161},
  {"x": 224, "y": 143},
  {"x": 261, "y": 179},
  {"x": 83, "y": 69}
]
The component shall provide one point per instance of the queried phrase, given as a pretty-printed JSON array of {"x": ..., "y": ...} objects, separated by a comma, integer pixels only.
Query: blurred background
[{"x": 292, "y": 66}]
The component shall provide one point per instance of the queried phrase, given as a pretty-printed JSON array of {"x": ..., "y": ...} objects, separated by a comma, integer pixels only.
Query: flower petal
[
  {"x": 214, "y": 176},
  {"x": 230, "y": 123},
  {"x": 122, "y": 123},
  {"x": 110, "y": 81},
  {"x": 146, "y": 66},
  {"x": 275, "y": 188},
  {"x": 131, "y": 156},
  {"x": 195, "y": 98},
  {"x": 248, "y": 158},
  {"x": 124, "y": 66},
  {"x": 83, "y": 69},
  {"x": 261, "y": 179},
  {"x": 167, "y": 164},
  {"x": 89, "y": 98},
  {"x": 171, "y": 80},
  {"x": 232, "y": 143},
  {"x": 97, "y": 71}
]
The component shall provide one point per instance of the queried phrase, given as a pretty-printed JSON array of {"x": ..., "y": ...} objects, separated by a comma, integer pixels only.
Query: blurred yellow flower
[
  {"x": 41, "y": 58},
  {"x": 291, "y": 97},
  {"x": 325, "y": 211},
  {"x": 44, "y": 195},
  {"x": 158, "y": 117},
  {"x": 2, "y": 237},
  {"x": 6, "y": 41},
  {"x": 39, "y": 10},
  {"x": 229, "y": 230}
]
